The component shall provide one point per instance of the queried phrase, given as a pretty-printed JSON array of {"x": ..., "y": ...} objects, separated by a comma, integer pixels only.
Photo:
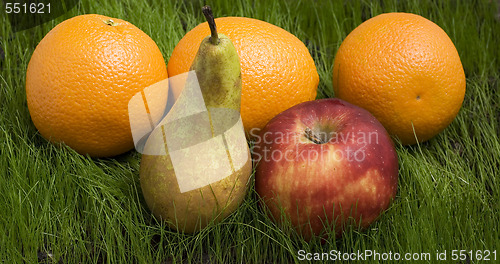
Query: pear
[{"x": 196, "y": 165}]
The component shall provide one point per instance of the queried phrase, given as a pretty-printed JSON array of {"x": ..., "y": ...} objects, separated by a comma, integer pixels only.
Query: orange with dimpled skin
[
  {"x": 81, "y": 77},
  {"x": 405, "y": 70},
  {"x": 277, "y": 70}
]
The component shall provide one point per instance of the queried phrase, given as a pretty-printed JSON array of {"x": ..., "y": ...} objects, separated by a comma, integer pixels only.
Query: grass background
[{"x": 59, "y": 207}]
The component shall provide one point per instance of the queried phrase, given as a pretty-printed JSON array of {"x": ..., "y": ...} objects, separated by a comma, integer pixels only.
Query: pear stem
[{"x": 207, "y": 11}]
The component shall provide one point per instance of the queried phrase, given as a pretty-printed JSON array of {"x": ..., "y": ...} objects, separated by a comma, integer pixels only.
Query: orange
[
  {"x": 277, "y": 69},
  {"x": 81, "y": 77},
  {"x": 405, "y": 70}
]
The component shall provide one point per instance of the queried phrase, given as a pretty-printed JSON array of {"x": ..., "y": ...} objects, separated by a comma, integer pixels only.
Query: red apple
[{"x": 325, "y": 162}]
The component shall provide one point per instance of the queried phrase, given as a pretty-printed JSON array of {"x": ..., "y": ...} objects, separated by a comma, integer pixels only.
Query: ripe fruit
[
  {"x": 405, "y": 70},
  {"x": 277, "y": 69},
  {"x": 81, "y": 77},
  {"x": 324, "y": 160},
  {"x": 203, "y": 172}
]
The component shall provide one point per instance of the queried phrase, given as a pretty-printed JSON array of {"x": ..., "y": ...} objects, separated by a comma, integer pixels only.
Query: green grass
[{"x": 57, "y": 206}]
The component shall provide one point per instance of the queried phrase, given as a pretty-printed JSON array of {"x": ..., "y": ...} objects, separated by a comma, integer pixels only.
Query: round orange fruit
[
  {"x": 405, "y": 70},
  {"x": 81, "y": 77},
  {"x": 277, "y": 69}
]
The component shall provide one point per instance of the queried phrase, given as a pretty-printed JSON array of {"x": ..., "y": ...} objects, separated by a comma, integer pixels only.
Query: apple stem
[
  {"x": 312, "y": 137},
  {"x": 207, "y": 11}
]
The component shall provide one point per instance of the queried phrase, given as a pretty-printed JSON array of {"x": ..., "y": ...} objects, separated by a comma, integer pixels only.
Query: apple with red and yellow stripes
[{"x": 323, "y": 165}]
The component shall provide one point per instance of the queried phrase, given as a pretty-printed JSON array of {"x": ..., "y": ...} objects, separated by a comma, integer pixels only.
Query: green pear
[{"x": 196, "y": 165}]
